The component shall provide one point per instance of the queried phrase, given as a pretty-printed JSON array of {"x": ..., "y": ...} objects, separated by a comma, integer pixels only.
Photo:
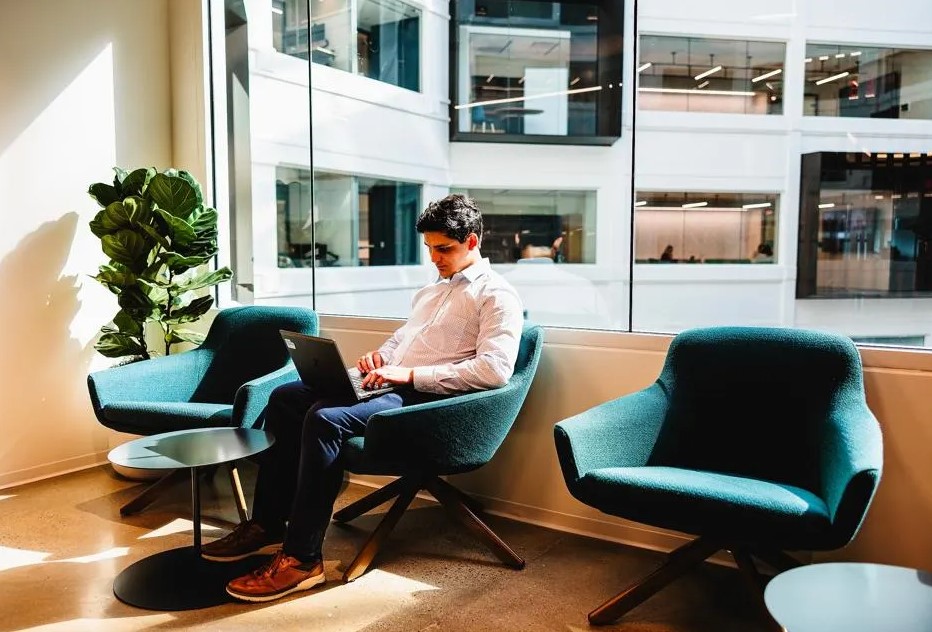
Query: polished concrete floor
[{"x": 62, "y": 542}]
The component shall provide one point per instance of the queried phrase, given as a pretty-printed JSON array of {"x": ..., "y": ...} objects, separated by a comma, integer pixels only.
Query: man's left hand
[{"x": 388, "y": 375}]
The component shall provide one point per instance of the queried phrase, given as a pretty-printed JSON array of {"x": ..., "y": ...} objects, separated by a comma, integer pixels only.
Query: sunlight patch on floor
[
  {"x": 179, "y": 525},
  {"x": 111, "y": 625},
  {"x": 109, "y": 554},
  {"x": 5, "y": 496},
  {"x": 13, "y": 558}
]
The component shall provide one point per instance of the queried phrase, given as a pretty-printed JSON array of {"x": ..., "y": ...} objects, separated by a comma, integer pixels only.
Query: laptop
[{"x": 321, "y": 366}]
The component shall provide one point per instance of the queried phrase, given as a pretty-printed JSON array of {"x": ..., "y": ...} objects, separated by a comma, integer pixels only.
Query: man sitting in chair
[{"x": 463, "y": 335}]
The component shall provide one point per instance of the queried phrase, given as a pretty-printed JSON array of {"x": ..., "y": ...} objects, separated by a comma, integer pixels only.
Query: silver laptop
[{"x": 321, "y": 366}]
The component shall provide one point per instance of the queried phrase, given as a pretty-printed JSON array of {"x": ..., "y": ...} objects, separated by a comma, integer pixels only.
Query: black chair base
[
  {"x": 153, "y": 491},
  {"x": 684, "y": 559},
  {"x": 458, "y": 505}
]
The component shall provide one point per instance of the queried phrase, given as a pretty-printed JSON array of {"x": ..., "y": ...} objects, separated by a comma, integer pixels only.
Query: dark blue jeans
[{"x": 301, "y": 474}]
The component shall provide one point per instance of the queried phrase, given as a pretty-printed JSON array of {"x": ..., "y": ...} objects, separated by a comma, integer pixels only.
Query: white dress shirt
[{"x": 463, "y": 333}]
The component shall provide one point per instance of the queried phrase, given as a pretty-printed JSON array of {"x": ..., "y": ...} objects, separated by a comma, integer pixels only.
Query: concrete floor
[{"x": 62, "y": 541}]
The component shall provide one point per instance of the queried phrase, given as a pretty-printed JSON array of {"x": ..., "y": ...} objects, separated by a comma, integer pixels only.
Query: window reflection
[
  {"x": 860, "y": 81},
  {"x": 692, "y": 74},
  {"x": 695, "y": 227}
]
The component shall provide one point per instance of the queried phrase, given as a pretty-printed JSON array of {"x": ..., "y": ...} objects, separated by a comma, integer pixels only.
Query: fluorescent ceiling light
[
  {"x": 727, "y": 93},
  {"x": 878, "y": 197},
  {"x": 640, "y": 203},
  {"x": 544, "y": 95},
  {"x": 832, "y": 78},
  {"x": 707, "y": 73},
  {"x": 808, "y": 60},
  {"x": 694, "y": 205},
  {"x": 277, "y": 10},
  {"x": 574, "y": 81},
  {"x": 645, "y": 66},
  {"x": 767, "y": 75},
  {"x": 490, "y": 78},
  {"x": 827, "y": 205},
  {"x": 856, "y": 53},
  {"x": 839, "y": 55},
  {"x": 702, "y": 85},
  {"x": 823, "y": 57},
  {"x": 758, "y": 205}
]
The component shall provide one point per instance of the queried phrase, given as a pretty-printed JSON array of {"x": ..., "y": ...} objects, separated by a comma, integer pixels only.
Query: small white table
[{"x": 851, "y": 597}]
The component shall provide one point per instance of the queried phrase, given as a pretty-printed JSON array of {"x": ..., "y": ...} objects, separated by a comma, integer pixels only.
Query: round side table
[
  {"x": 180, "y": 579},
  {"x": 851, "y": 597}
]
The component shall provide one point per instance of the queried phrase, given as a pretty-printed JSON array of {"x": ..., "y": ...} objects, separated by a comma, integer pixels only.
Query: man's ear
[{"x": 472, "y": 241}]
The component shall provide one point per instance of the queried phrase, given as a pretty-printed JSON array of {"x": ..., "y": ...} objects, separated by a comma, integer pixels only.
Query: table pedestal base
[{"x": 179, "y": 579}]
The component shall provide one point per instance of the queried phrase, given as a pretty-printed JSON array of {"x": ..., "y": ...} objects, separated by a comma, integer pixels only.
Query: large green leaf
[
  {"x": 127, "y": 324},
  {"x": 127, "y": 247},
  {"x": 116, "y": 345},
  {"x": 184, "y": 335},
  {"x": 192, "y": 311},
  {"x": 203, "y": 219},
  {"x": 199, "y": 194},
  {"x": 119, "y": 177},
  {"x": 104, "y": 193},
  {"x": 135, "y": 182},
  {"x": 154, "y": 234},
  {"x": 102, "y": 224},
  {"x": 179, "y": 263},
  {"x": 129, "y": 213},
  {"x": 135, "y": 301},
  {"x": 180, "y": 232},
  {"x": 156, "y": 293},
  {"x": 112, "y": 276},
  {"x": 205, "y": 279},
  {"x": 173, "y": 194}
]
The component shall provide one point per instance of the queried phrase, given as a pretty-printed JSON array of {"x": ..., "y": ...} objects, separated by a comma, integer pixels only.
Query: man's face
[{"x": 449, "y": 255}]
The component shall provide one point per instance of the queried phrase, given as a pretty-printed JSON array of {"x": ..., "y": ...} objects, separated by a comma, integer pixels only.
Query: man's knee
[{"x": 325, "y": 423}]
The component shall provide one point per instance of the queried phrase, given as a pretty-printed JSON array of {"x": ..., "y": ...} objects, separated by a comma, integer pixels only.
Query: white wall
[{"x": 86, "y": 86}]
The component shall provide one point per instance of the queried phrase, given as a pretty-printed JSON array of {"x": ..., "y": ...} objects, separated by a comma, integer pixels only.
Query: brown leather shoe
[
  {"x": 282, "y": 576},
  {"x": 247, "y": 538}
]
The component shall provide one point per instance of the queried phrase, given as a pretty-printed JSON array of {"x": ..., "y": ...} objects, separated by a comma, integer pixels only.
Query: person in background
[
  {"x": 667, "y": 254},
  {"x": 764, "y": 254},
  {"x": 463, "y": 335}
]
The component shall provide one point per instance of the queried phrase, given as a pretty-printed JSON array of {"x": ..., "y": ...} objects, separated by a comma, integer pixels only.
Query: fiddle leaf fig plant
[{"x": 159, "y": 237}]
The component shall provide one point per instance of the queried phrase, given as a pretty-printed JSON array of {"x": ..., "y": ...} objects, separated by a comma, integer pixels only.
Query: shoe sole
[
  {"x": 307, "y": 584},
  {"x": 268, "y": 549}
]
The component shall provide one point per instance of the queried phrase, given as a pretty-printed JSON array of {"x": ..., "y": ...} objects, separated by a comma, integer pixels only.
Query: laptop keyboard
[{"x": 356, "y": 380}]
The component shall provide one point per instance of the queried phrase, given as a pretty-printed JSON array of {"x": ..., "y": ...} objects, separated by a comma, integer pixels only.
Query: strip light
[
  {"x": 645, "y": 66},
  {"x": 708, "y": 72},
  {"x": 641, "y": 203},
  {"x": 730, "y": 93},
  {"x": 827, "y": 205},
  {"x": 832, "y": 78},
  {"x": 526, "y": 98},
  {"x": 767, "y": 75},
  {"x": 694, "y": 205},
  {"x": 758, "y": 205}
]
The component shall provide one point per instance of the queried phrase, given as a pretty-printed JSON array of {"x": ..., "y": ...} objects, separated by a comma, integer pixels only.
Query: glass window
[
  {"x": 524, "y": 225},
  {"x": 680, "y": 227},
  {"x": 387, "y": 37},
  {"x": 356, "y": 221},
  {"x": 865, "y": 227},
  {"x": 861, "y": 81},
  {"x": 535, "y": 69},
  {"x": 694, "y": 74}
]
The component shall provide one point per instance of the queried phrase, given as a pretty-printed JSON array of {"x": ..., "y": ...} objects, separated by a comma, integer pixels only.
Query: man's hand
[
  {"x": 369, "y": 362},
  {"x": 388, "y": 375}
]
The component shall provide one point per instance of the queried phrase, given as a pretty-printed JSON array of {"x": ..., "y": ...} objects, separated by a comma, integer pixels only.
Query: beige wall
[{"x": 84, "y": 86}]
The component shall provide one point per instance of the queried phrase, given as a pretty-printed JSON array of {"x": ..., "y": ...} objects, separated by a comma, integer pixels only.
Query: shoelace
[{"x": 272, "y": 566}]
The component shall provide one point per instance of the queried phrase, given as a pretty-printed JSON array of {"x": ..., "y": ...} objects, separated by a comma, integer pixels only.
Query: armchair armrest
[
  {"x": 618, "y": 433},
  {"x": 455, "y": 434},
  {"x": 850, "y": 467},
  {"x": 253, "y": 396},
  {"x": 163, "y": 379}
]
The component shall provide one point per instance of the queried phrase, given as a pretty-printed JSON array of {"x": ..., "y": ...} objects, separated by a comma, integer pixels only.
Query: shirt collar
[{"x": 472, "y": 272}]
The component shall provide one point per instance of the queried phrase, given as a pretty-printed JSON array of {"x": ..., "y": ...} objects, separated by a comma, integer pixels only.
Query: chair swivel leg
[
  {"x": 149, "y": 494},
  {"x": 756, "y": 582},
  {"x": 777, "y": 559},
  {"x": 678, "y": 562},
  {"x": 371, "y": 501},
  {"x": 450, "y": 499},
  {"x": 370, "y": 549}
]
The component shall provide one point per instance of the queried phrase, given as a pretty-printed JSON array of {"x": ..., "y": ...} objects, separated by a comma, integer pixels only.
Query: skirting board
[
  {"x": 49, "y": 470},
  {"x": 630, "y": 534}
]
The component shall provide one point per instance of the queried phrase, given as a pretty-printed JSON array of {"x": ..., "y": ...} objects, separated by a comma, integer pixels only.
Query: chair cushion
[
  {"x": 734, "y": 508},
  {"x": 146, "y": 418}
]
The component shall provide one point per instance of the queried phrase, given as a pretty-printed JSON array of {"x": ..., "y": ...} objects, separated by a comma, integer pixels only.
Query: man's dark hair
[{"x": 455, "y": 216}]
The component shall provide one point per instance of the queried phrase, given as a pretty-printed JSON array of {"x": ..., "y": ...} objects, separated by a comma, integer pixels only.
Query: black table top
[{"x": 191, "y": 448}]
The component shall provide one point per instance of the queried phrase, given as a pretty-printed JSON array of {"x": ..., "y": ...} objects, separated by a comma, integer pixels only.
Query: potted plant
[{"x": 159, "y": 237}]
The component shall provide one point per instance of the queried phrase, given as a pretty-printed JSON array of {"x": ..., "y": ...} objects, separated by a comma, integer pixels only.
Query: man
[{"x": 462, "y": 335}]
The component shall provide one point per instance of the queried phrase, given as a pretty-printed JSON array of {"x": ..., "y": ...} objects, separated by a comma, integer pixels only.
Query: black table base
[{"x": 179, "y": 579}]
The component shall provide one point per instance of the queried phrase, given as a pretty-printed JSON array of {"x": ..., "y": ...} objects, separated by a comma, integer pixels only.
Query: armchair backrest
[
  {"x": 244, "y": 343},
  {"x": 755, "y": 401}
]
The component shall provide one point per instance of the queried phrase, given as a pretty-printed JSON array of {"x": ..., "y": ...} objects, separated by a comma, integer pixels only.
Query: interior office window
[
  {"x": 536, "y": 226},
  {"x": 705, "y": 228},
  {"x": 541, "y": 70},
  {"x": 325, "y": 40},
  {"x": 388, "y": 42},
  {"x": 865, "y": 225},
  {"x": 694, "y": 74},
  {"x": 867, "y": 82},
  {"x": 357, "y": 221}
]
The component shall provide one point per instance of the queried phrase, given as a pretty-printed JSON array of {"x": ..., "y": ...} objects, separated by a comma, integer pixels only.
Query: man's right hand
[{"x": 368, "y": 362}]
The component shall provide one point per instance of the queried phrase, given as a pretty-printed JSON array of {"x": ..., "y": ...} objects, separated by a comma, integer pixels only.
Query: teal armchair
[
  {"x": 423, "y": 442},
  {"x": 755, "y": 440},
  {"x": 226, "y": 381}
]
